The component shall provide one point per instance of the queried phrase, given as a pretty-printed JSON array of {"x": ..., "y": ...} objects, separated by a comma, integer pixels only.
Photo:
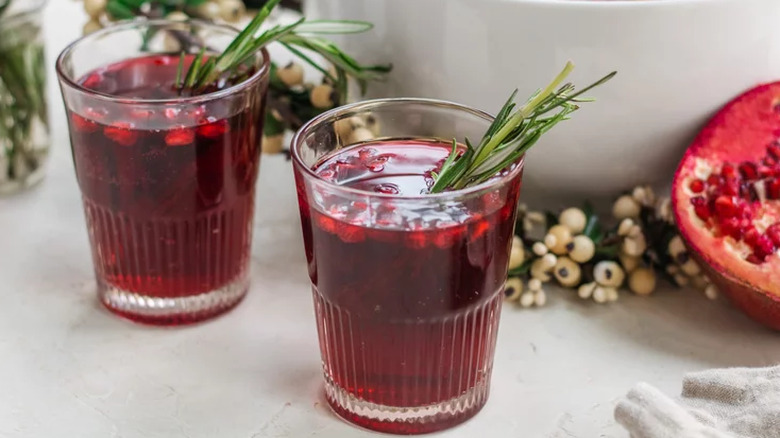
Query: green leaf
[
  {"x": 330, "y": 27},
  {"x": 119, "y": 11}
]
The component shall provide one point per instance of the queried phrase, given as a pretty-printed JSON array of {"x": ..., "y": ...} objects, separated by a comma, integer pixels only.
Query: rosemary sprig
[
  {"x": 512, "y": 133},
  {"x": 298, "y": 36}
]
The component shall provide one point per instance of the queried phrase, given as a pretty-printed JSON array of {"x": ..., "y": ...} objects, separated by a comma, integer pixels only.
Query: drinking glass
[
  {"x": 24, "y": 120},
  {"x": 407, "y": 289},
  {"x": 167, "y": 181}
]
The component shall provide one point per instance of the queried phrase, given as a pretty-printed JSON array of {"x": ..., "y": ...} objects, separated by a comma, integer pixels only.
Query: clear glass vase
[{"x": 24, "y": 121}]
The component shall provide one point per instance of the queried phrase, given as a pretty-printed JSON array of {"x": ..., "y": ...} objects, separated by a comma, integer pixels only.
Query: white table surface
[{"x": 68, "y": 368}]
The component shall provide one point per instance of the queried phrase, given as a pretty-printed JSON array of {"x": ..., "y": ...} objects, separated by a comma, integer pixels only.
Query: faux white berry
[
  {"x": 540, "y": 298},
  {"x": 629, "y": 263},
  {"x": 642, "y": 281},
  {"x": 625, "y": 207},
  {"x": 586, "y": 290},
  {"x": 559, "y": 237},
  {"x": 345, "y": 126},
  {"x": 574, "y": 219},
  {"x": 711, "y": 292},
  {"x": 360, "y": 135},
  {"x": 209, "y": 10},
  {"x": 534, "y": 284},
  {"x": 372, "y": 123},
  {"x": 625, "y": 227},
  {"x": 699, "y": 282},
  {"x": 527, "y": 299},
  {"x": 681, "y": 279},
  {"x": 231, "y": 10},
  {"x": 90, "y": 27},
  {"x": 94, "y": 8},
  {"x": 513, "y": 288},
  {"x": 644, "y": 195},
  {"x": 600, "y": 295},
  {"x": 608, "y": 273},
  {"x": 567, "y": 272},
  {"x": 273, "y": 144},
  {"x": 634, "y": 245},
  {"x": 517, "y": 253},
  {"x": 540, "y": 271},
  {"x": 177, "y": 16},
  {"x": 690, "y": 268},
  {"x": 676, "y": 247},
  {"x": 322, "y": 97},
  {"x": 539, "y": 249},
  {"x": 291, "y": 74},
  {"x": 612, "y": 293},
  {"x": 581, "y": 249}
]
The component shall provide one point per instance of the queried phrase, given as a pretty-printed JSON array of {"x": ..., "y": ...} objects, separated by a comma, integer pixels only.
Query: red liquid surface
[
  {"x": 407, "y": 300},
  {"x": 168, "y": 193}
]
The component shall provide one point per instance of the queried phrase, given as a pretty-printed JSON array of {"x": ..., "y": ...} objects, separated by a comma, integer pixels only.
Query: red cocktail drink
[
  {"x": 167, "y": 180},
  {"x": 407, "y": 286}
]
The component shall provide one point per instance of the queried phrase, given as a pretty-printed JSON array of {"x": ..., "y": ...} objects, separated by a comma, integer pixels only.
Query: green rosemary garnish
[
  {"x": 511, "y": 134},
  {"x": 296, "y": 36}
]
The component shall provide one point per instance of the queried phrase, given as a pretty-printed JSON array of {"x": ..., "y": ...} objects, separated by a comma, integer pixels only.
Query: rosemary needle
[{"x": 512, "y": 133}]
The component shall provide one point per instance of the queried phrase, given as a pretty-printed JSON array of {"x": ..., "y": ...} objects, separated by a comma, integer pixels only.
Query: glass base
[
  {"x": 173, "y": 311},
  {"x": 406, "y": 420}
]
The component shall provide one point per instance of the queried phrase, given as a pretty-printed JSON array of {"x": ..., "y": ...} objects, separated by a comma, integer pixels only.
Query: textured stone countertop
[{"x": 70, "y": 369}]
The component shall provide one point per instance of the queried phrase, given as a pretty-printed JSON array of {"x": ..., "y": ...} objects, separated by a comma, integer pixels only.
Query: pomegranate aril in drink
[{"x": 122, "y": 133}]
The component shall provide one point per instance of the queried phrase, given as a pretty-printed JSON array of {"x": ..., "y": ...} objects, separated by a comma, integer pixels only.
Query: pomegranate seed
[
  {"x": 713, "y": 180},
  {"x": 172, "y": 113},
  {"x": 122, "y": 133},
  {"x": 751, "y": 237},
  {"x": 728, "y": 171},
  {"x": 748, "y": 192},
  {"x": 725, "y": 207},
  {"x": 95, "y": 114},
  {"x": 697, "y": 186},
  {"x": 752, "y": 258},
  {"x": 773, "y": 188},
  {"x": 764, "y": 247},
  {"x": 730, "y": 187},
  {"x": 141, "y": 114},
  {"x": 479, "y": 229},
  {"x": 700, "y": 208},
  {"x": 415, "y": 239},
  {"x": 212, "y": 128},
  {"x": 82, "y": 124},
  {"x": 731, "y": 227},
  {"x": 92, "y": 81},
  {"x": 387, "y": 189},
  {"x": 765, "y": 171},
  {"x": 769, "y": 161},
  {"x": 773, "y": 232},
  {"x": 180, "y": 137},
  {"x": 351, "y": 233},
  {"x": 748, "y": 171},
  {"x": 773, "y": 151},
  {"x": 366, "y": 153}
]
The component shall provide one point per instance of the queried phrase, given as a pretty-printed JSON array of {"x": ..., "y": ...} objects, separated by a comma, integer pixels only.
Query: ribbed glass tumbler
[
  {"x": 167, "y": 181},
  {"x": 407, "y": 288}
]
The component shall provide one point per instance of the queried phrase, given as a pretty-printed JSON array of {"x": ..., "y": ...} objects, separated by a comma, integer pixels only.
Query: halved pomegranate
[{"x": 726, "y": 201}]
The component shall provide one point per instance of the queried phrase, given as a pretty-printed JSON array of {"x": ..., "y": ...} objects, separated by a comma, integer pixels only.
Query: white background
[{"x": 70, "y": 369}]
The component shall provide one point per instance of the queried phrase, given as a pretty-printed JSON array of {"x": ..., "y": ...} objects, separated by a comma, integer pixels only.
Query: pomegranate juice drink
[
  {"x": 167, "y": 180},
  {"x": 407, "y": 285}
]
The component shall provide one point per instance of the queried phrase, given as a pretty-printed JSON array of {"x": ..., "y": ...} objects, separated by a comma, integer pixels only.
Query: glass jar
[{"x": 24, "y": 121}]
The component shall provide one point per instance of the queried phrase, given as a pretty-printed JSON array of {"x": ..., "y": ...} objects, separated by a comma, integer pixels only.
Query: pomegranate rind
[{"x": 740, "y": 131}]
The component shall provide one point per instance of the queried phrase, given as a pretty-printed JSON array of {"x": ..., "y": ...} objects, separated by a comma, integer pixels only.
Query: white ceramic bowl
[{"x": 678, "y": 61}]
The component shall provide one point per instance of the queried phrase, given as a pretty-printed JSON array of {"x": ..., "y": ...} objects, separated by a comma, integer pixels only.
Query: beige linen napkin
[{"x": 720, "y": 403}]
